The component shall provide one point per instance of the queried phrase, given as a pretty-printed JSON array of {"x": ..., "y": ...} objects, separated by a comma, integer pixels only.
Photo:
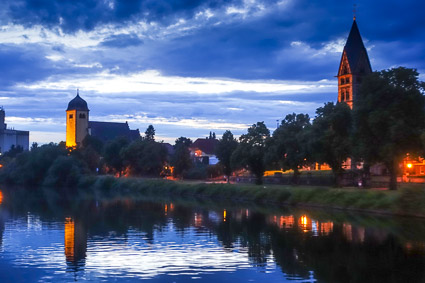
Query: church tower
[
  {"x": 354, "y": 65},
  {"x": 77, "y": 121}
]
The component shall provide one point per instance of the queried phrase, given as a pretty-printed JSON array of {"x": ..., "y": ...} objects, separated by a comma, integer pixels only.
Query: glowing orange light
[
  {"x": 1, "y": 197},
  {"x": 165, "y": 209},
  {"x": 305, "y": 223},
  {"x": 286, "y": 221},
  {"x": 409, "y": 165},
  {"x": 69, "y": 238},
  {"x": 224, "y": 215},
  {"x": 171, "y": 206}
]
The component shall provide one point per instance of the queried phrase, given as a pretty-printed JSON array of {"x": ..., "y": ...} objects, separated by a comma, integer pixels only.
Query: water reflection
[
  {"x": 121, "y": 238},
  {"x": 75, "y": 243}
]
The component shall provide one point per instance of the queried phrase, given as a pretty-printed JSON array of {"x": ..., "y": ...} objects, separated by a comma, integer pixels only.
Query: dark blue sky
[{"x": 189, "y": 67}]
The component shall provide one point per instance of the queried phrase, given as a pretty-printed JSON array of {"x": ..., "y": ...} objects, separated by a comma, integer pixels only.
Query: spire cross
[{"x": 354, "y": 11}]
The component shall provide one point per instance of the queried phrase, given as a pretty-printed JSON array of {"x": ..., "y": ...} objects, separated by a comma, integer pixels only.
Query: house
[{"x": 203, "y": 150}]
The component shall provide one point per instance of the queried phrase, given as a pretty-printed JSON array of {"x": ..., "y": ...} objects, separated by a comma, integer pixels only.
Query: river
[{"x": 45, "y": 238}]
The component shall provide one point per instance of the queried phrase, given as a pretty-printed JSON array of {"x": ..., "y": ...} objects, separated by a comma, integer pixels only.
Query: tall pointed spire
[{"x": 353, "y": 66}]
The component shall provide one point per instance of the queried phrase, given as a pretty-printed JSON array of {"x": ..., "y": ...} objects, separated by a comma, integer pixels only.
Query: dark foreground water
[{"x": 46, "y": 239}]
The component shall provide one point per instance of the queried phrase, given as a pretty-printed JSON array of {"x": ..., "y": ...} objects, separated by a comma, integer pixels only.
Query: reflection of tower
[
  {"x": 75, "y": 242},
  {"x": 1, "y": 221},
  {"x": 77, "y": 121}
]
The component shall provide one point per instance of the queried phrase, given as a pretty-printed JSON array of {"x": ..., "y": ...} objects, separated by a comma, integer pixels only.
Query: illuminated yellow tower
[{"x": 77, "y": 121}]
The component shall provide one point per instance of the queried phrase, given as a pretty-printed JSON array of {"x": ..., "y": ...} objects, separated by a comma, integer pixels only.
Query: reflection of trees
[{"x": 342, "y": 251}]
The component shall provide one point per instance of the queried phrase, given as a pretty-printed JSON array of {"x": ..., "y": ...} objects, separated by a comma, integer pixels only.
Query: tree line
[{"x": 387, "y": 123}]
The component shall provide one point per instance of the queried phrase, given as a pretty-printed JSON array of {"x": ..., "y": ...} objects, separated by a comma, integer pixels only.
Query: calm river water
[{"x": 46, "y": 239}]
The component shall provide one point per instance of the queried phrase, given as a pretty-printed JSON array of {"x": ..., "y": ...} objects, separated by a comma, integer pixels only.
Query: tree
[
  {"x": 183, "y": 140},
  {"x": 181, "y": 158},
  {"x": 150, "y": 133},
  {"x": 389, "y": 117},
  {"x": 251, "y": 150},
  {"x": 289, "y": 145},
  {"x": 144, "y": 157},
  {"x": 226, "y": 146},
  {"x": 331, "y": 136},
  {"x": 112, "y": 156},
  {"x": 90, "y": 152}
]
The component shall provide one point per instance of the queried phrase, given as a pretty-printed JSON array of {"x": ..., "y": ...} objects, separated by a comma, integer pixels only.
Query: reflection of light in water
[
  {"x": 224, "y": 215},
  {"x": 305, "y": 223},
  {"x": 165, "y": 209},
  {"x": 347, "y": 232},
  {"x": 246, "y": 213},
  {"x": 171, "y": 207},
  {"x": 326, "y": 228},
  {"x": 69, "y": 239},
  {"x": 198, "y": 219},
  {"x": 1, "y": 197},
  {"x": 286, "y": 221}
]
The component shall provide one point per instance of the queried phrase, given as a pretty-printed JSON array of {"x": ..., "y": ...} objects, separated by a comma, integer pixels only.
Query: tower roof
[
  {"x": 77, "y": 104},
  {"x": 354, "y": 49}
]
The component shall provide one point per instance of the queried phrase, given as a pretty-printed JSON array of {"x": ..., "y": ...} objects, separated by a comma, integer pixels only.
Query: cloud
[
  {"x": 121, "y": 41},
  {"x": 73, "y": 15}
]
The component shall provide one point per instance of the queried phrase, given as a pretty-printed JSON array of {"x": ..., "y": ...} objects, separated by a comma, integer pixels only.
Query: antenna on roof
[
  {"x": 354, "y": 11},
  {"x": 78, "y": 91}
]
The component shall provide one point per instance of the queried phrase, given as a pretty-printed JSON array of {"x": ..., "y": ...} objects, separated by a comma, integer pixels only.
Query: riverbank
[{"x": 407, "y": 201}]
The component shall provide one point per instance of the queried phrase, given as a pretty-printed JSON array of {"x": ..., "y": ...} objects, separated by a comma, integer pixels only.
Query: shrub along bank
[{"x": 407, "y": 201}]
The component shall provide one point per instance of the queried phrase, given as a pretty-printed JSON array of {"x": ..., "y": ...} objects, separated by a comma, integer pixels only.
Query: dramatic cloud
[{"x": 189, "y": 67}]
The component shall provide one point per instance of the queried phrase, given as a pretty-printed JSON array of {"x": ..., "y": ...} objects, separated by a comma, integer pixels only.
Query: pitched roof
[
  {"x": 354, "y": 49},
  {"x": 77, "y": 104},
  {"x": 206, "y": 145},
  {"x": 169, "y": 147},
  {"x": 110, "y": 130}
]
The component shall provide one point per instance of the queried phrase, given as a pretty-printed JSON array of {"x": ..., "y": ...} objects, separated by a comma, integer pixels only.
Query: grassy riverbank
[{"x": 408, "y": 200}]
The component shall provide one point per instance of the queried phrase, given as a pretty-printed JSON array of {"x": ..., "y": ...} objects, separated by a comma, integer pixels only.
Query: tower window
[
  {"x": 342, "y": 81},
  {"x": 82, "y": 115},
  {"x": 71, "y": 116},
  {"x": 347, "y": 80}
]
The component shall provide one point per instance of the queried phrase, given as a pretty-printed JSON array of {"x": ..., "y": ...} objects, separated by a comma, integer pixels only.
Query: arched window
[{"x": 82, "y": 115}]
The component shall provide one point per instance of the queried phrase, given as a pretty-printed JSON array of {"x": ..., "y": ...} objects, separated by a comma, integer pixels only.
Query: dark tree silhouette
[{"x": 389, "y": 117}]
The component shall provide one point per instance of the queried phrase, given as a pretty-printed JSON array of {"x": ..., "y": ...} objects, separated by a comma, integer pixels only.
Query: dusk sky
[{"x": 189, "y": 67}]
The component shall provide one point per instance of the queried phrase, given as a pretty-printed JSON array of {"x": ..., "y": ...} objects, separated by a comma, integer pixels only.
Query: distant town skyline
[{"x": 189, "y": 69}]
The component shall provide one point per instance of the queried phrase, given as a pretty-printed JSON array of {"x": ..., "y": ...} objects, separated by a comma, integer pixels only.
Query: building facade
[
  {"x": 78, "y": 125},
  {"x": 10, "y": 137}
]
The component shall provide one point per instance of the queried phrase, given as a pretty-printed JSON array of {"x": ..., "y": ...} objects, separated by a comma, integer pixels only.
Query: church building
[
  {"x": 78, "y": 125},
  {"x": 353, "y": 67}
]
